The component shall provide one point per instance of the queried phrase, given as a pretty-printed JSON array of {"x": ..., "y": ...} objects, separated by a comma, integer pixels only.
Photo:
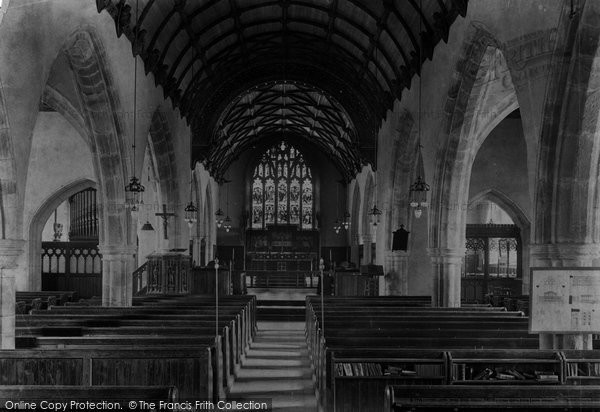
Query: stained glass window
[{"x": 282, "y": 189}]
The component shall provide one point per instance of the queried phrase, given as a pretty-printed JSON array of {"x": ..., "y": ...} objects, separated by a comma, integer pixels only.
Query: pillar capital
[
  {"x": 446, "y": 255},
  {"x": 117, "y": 252},
  {"x": 565, "y": 254}
]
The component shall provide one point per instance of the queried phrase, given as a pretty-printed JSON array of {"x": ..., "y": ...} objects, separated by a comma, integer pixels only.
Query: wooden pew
[
  {"x": 150, "y": 320},
  {"x": 238, "y": 339},
  {"x": 491, "y": 398},
  {"x": 188, "y": 369},
  {"x": 375, "y": 323},
  {"x": 221, "y": 352},
  {"x": 581, "y": 367}
]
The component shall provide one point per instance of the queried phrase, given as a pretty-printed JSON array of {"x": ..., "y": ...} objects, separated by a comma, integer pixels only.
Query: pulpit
[
  {"x": 204, "y": 280},
  {"x": 352, "y": 282},
  {"x": 169, "y": 274}
]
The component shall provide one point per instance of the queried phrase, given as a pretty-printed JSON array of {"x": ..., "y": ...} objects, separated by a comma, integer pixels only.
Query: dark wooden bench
[
  {"x": 62, "y": 323},
  {"x": 223, "y": 356},
  {"x": 490, "y": 398},
  {"x": 98, "y": 327},
  {"x": 188, "y": 369}
]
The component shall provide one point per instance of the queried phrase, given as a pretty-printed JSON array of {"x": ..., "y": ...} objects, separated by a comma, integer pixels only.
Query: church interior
[{"x": 300, "y": 205}]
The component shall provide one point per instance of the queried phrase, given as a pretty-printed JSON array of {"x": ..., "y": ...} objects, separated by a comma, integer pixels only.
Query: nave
[{"x": 405, "y": 192}]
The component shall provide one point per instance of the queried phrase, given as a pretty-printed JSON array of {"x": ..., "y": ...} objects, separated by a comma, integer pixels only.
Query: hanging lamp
[
  {"x": 191, "y": 211},
  {"x": 147, "y": 226},
  {"x": 418, "y": 190},
  {"x": 337, "y": 225},
  {"x": 375, "y": 214},
  {"x": 227, "y": 221},
  {"x": 190, "y": 214},
  {"x": 135, "y": 189}
]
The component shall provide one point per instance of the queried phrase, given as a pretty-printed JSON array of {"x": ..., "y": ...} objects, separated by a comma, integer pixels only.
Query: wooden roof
[{"x": 359, "y": 54}]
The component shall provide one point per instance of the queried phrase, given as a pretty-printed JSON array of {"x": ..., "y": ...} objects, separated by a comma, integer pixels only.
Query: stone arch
[
  {"x": 407, "y": 153},
  {"x": 164, "y": 154},
  {"x": 473, "y": 108},
  {"x": 367, "y": 206},
  {"x": 209, "y": 222},
  {"x": 100, "y": 104},
  {"x": 11, "y": 219},
  {"x": 481, "y": 96},
  {"x": 38, "y": 221},
  {"x": 567, "y": 198},
  {"x": 54, "y": 99},
  {"x": 4, "y": 9},
  {"x": 355, "y": 225},
  {"x": 100, "y": 108},
  {"x": 518, "y": 216}
]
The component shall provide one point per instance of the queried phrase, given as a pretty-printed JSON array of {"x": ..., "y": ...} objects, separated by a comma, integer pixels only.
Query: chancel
[{"x": 334, "y": 205}]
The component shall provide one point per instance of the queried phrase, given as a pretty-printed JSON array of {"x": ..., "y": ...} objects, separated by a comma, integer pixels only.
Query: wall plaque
[{"x": 564, "y": 300}]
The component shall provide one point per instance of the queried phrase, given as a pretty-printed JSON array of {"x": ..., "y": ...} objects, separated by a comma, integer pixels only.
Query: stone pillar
[
  {"x": 447, "y": 264},
  {"x": 565, "y": 255},
  {"x": 397, "y": 272},
  {"x": 354, "y": 249},
  {"x": 367, "y": 240},
  {"x": 10, "y": 251},
  {"x": 118, "y": 265},
  {"x": 196, "y": 250}
]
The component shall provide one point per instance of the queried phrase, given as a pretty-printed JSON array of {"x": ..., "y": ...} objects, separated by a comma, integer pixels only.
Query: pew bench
[
  {"x": 491, "y": 398},
  {"x": 188, "y": 369},
  {"x": 219, "y": 351}
]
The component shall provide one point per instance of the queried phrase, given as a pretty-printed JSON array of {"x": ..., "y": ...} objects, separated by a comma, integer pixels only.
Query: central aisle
[{"x": 277, "y": 366}]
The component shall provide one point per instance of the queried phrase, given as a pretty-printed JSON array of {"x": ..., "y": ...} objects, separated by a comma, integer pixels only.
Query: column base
[{"x": 118, "y": 265}]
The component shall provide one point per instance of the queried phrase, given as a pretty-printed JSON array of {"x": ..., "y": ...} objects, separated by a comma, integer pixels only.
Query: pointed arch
[
  {"x": 209, "y": 222},
  {"x": 481, "y": 97},
  {"x": 11, "y": 217},
  {"x": 38, "y": 221},
  {"x": 101, "y": 106},
  {"x": 567, "y": 197},
  {"x": 355, "y": 226},
  {"x": 514, "y": 211},
  {"x": 367, "y": 205}
]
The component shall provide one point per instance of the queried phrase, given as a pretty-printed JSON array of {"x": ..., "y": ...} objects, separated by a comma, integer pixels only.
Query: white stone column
[
  {"x": 447, "y": 265},
  {"x": 118, "y": 265},
  {"x": 565, "y": 255},
  {"x": 10, "y": 251},
  {"x": 196, "y": 250},
  {"x": 397, "y": 272}
]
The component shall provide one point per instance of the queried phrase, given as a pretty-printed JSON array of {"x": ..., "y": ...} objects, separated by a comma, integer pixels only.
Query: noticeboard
[{"x": 564, "y": 300}]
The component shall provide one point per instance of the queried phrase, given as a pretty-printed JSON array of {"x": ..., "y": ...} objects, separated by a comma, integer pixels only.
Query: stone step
[
  {"x": 283, "y": 353},
  {"x": 269, "y": 388},
  {"x": 277, "y": 367},
  {"x": 269, "y": 373},
  {"x": 277, "y": 345},
  {"x": 287, "y": 402},
  {"x": 258, "y": 362}
]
